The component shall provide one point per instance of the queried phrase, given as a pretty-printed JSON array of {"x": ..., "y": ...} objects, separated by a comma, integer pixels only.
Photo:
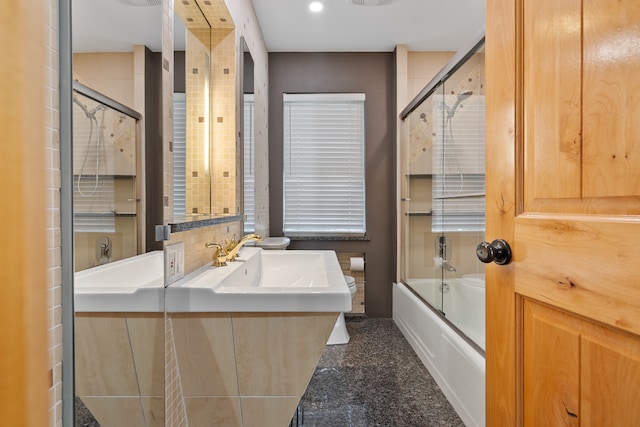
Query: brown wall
[
  {"x": 372, "y": 74},
  {"x": 153, "y": 146}
]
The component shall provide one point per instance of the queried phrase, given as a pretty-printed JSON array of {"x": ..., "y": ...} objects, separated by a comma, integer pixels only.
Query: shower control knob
[{"x": 497, "y": 251}]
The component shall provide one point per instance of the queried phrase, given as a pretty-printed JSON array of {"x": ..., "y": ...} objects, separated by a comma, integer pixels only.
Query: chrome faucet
[
  {"x": 231, "y": 255},
  {"x": 219, "y": 256},
  {"x": 447, "y": 264}
]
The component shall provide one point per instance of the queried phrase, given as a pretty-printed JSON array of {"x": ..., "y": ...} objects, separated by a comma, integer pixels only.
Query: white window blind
[
  {"x": 179, "y": 154},
  {"x": 249, "y": 166},
  {"x": 94, "y": 204},
  {"x": 324, "y": 174},
  {"x": 458, "y": 191}
]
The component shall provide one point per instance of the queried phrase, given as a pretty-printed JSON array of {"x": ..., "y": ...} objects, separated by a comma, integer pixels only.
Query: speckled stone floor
[{"x": 374, "y": 380}]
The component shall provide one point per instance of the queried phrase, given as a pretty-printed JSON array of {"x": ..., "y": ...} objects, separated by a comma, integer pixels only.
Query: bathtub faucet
[
  {"x": 231, "y": 256},
  {"x": 447, "y": 264}
]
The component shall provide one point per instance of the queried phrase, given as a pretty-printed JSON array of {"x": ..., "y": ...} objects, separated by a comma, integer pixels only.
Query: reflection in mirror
[
  {"x": 105, "y": 179},
  {"x": 248, "y": 140},
  {"x": 191, "y": 113},
  {"x": 205, "y": 82},
  {"x": 118, "y": 337}
]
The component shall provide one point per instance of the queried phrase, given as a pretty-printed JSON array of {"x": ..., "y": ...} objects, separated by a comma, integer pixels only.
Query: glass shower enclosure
[
  {"x": 106, "y": 187},
  {"x": 443, "y": 194}
]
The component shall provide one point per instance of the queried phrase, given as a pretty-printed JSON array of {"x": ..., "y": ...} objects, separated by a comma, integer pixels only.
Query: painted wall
[{"x": 372, "y": 74}]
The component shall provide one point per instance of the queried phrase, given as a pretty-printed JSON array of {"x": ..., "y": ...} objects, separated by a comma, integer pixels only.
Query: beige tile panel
[
  {"x": 204, "y": 349},
  {"x": 146, "y": 331},
  {"x": 115, "y": 411},
  {"x": 213, "y": 411},
  {"x": 103, "y": 357},
  {"x": 277, "y": 353},
  {"x": 268, "y": 411},
  {"x": 153, "y": 411}
]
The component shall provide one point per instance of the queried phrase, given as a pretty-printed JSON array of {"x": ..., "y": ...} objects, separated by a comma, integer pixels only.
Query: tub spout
[{"x": 448, "y": 266}]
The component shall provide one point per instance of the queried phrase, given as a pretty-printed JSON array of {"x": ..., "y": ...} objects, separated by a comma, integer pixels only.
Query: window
[
  {"x": 179, "y": 154},
  {"x": 249, "y": 165},
  {"x": 323, "y": 171}
]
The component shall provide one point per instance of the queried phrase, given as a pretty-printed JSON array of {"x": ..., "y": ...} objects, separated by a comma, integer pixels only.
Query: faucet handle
[
  {"x": 230, "y": 243},
  {"x": 219, "y": 255}
]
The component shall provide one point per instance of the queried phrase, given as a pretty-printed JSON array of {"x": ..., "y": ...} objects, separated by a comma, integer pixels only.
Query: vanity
[
  {"x": 246, "y": 337},
  {"x": 119, "y": 340},
  {"x": 240, "y": 342}
]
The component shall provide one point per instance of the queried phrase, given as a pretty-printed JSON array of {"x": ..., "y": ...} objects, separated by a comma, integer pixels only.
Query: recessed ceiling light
[{"x": 315, "y": 6}]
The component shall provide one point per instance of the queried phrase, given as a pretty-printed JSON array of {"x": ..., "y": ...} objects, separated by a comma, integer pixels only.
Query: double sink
[{"x": 258, "y": 281}]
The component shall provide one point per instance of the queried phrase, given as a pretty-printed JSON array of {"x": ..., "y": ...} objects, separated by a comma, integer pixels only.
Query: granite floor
[{"x": 374, "y": 380}]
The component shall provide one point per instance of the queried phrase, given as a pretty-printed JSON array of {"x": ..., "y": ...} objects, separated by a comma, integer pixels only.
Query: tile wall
[
  {"x": 53, "y": 236},
  {"x": 198, "y": 179},
  {"x": 223, "y": 138},
  {"x": 248, "y": 27}
]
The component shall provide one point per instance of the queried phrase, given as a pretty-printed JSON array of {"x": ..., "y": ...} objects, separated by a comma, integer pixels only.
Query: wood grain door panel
[{"x": 563, "y": 187}]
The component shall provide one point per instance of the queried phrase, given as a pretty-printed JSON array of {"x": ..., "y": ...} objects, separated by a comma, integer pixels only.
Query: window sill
[{"x": 329, "y": 237}]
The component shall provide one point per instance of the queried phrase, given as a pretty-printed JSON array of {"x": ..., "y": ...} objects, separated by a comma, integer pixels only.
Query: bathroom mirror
[
  {"x": 204, "y": 112},
  {"x": 118, "y": 343},
  {"x": 191, "y": 114}
]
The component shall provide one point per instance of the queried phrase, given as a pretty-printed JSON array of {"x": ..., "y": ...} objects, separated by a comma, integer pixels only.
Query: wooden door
[
  {"x": 563, "y": 188},
  {"x": 25, "y": 376}
]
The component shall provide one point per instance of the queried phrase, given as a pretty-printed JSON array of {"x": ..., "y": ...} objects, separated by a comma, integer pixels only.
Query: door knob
[{"x": 497, "y": 251}]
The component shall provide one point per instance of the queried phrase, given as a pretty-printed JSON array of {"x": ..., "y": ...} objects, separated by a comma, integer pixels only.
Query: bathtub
[
  {"x": 133, "y": 284},
  {"x": 457, "y": 366},
  {"x": 462, "y": 302}
]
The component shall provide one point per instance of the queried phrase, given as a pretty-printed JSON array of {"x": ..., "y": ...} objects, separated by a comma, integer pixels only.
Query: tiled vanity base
[
  {"x": 242, "y": 369},
  {"x": 119, "y": 367}
]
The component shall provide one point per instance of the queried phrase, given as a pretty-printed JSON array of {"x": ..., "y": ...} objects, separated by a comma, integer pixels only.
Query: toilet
[
  {"x": 339, "y": 335},
  {"x": 269, "y": 243}
]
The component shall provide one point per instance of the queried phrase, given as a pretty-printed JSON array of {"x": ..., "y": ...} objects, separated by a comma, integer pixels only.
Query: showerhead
[
  {"x": 461, "y": 97},
  {"x": 464, "y": 95}
]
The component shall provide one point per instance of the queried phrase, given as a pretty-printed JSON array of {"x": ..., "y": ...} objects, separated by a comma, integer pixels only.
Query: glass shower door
[
  {"x": 443, "y": 205},
  {"x": 421, "y": 270},
  {"x": 105, "y": 195}
]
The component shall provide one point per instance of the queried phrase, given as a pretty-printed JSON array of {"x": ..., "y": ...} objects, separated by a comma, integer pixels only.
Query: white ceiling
[
  {"x": 289, "y": 26},
  {"x": 423, "y": 25}
]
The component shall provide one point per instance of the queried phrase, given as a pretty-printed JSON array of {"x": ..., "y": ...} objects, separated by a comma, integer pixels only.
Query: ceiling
[
  {"x": 423, "y": 25},
  {"x": 289, "y": 25}
]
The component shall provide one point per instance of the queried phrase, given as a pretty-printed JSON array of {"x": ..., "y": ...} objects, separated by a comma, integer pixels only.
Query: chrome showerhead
[{"x": 461, "y": 97}]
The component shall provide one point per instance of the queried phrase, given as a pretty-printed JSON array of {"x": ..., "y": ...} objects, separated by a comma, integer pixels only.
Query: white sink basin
[
  {"x": 133, "y": 284},
  {"x": 264, "y": 281}
]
